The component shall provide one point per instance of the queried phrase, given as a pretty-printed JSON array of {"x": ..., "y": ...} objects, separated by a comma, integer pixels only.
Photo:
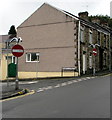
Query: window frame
[
  {"x": 82, "y": 34},
  {"x": 12, "y": 58},
  {"x": 99, "y": 37},
  {"x": 90, "y": 36},
  {"x": 30, "y": 61},
  {"x": 105, "y": 40}
]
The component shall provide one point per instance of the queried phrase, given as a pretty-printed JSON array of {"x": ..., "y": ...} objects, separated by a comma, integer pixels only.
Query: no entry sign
[
  {"x": 17, "y": 50},
  {"x": 94, "y": 51}
]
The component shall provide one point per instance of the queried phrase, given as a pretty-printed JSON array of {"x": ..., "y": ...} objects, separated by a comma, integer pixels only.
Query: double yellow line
[{"x": 30, "y": 93}]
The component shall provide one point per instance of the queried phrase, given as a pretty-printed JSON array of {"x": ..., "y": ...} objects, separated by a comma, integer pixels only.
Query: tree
[
  {"x": 12, "y": 32},
  {"x": 103, "y": 19}
]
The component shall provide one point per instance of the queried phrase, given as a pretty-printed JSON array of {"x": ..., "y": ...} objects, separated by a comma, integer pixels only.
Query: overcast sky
[{"x": 14, "y": 12}]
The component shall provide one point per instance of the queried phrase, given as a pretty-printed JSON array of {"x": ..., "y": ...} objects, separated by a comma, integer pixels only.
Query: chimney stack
[
  {"x": 83, "y": 15},
  {"x": 95, "y": 20}
]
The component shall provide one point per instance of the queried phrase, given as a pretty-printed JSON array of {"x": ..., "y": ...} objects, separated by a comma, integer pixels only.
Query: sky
[{"x": 14, "y": 12}]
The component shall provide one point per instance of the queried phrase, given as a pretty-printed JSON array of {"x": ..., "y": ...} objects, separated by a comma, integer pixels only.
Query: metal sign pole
[
  {"x": 7, "y": 65},
  {"x": 17, "y": 51},
  {"x": 94, "y": 67},
  {"x": 17, "y": 81}
]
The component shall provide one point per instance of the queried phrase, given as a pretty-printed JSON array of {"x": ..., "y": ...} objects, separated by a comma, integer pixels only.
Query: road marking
[
  {"x": 58, "y": 85},
  {"x": 28, "y": 82},
  {"x": 79, "y": 80},
  {"x": 88, "y": 77},
  {"x": 84, "y": 79},
  {"x": 23, "y": 83},
  {"x": 74, "y": 81},
  {"x": 92, "y": 77},
  {"x": 63, "y": 84},
  {"x": 69, "y": 82},
  {"x": 32, "y": 82},
  {"x": 40, "y": 90},
  {"x": 44, "y": 88},
  {"x": 49, "y": 87},
  {"x": 30, "y": 93}
]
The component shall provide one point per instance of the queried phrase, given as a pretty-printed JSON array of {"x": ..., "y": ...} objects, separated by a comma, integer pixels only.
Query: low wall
[
  {"x": 34, "y": 75},
  {"x": 26, "y": 75}
]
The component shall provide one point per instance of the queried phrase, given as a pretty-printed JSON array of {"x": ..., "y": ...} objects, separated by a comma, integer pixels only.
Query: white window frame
[
  {"x": 90, "y": 36},
  {"x": 82, "y": 35},
  {"x": 37, "y": 54},
  {"x": 98, "y": 37},
  {"x": 12, "y": 59},
  {"x": 90, "y": 61},
  {"x": 105, "y": 40}
]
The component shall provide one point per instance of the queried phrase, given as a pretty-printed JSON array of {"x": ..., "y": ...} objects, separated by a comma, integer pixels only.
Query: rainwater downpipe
[{"x": 79, "y": 26}]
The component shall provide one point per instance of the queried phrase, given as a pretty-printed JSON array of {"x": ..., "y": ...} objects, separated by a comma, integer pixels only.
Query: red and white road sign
[
  {"x": 17, "y": 50},
  {"x": 94, "y": 51}
]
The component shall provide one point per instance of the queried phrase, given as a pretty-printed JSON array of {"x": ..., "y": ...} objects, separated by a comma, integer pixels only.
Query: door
[
  {"x": 84, "y": 64},
  {"x": 101, "y": 58}
]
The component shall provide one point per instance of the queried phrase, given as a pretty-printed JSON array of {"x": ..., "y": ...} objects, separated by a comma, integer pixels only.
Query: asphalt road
[{"x": 67, "y": 98}]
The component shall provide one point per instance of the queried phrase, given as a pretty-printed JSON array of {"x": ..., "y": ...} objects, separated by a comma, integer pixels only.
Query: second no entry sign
[{"x": 94, "y": 51}]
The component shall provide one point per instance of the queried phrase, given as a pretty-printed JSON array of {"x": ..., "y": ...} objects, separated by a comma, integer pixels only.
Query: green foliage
[
  {"x": 103, "y": 19},
  {"x": 110, "y": 23},
  {"x": 12, "y": 30}
]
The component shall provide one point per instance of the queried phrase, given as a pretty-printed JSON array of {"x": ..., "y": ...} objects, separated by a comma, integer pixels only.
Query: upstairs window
[
  {"x": 99, "y": 37},
  {"x": 90, "y": 36},
  {"x": 82, "y": 33},
  {"x": 32, "y": 57},
  {"x": 105, "y": 40},
  {"x": 105, "y": 59}
]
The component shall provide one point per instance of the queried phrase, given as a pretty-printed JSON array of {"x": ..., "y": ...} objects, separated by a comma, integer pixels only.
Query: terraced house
[
  {"x": 58, "y": 43},
  {"x": 3, "y": 57}
]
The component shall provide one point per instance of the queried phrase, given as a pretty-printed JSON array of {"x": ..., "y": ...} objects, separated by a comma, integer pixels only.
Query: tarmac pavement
[{"x": 8, "y": 91}]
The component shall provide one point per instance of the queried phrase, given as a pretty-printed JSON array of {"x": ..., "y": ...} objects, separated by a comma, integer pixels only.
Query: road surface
[{"x": 67, "y": 98}]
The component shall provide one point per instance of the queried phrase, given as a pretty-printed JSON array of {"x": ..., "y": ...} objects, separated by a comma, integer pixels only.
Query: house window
[
  {"x": 90, "y": 62},
  {"x": 104, "y": 40},
  {"x": 32, "y": 57},
  {"x": 98, "y": 39},
  {"x": 90, "y": 37},
  {"x": 105, "y": 55},
  {"x": 82, "y": 35},
  {"x": 11, "y": 59}
]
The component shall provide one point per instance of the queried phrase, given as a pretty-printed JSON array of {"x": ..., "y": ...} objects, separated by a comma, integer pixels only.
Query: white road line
[
  {"x": 69, "y": 82},
  {"x": 92, "y": 77},
  {"x": 63, "y": 84},
  {"x": 49, "y": 87},
  {"x": 79, "y": 80},
  {"x": 74, "y": 81},
  {"x": 40, "y": 90},
  {"x": 58, "y": 85},
  {"x": 23, "y": 83},
  {"x": 32, "y": 82},
  {"x": 84, "y": 79},
  {"x": 88, "y": 77}
]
